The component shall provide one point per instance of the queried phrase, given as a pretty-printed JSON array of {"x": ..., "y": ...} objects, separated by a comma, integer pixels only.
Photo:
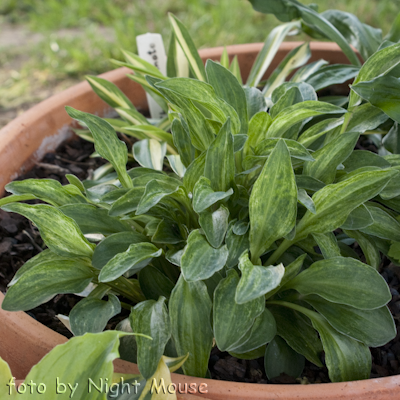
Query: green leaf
[
  {"x": 281, "y": 358},
  {"x": 364, "y": 38},
  {"x": 366, "y": 117},
  {"x": 114, "y": 244},
  {"x": 188, "y": 47},
  {"x": 60, "y": 233},
  {"x": 394, "y": 34},
  {"x": 250, "y": 355},
  {"x": 297, "y": 113},
  {"x": 384, "y": 226},
  {"x": 290, "y": 272},
  {"x": 177, "y": 63},
  {"x": 215, "y": 225},
  {"x": 6, "y": 379},
  {"x": 382, "y": 92},
  {"x": 262, "y": 332},
  {"x": 291, "y": 93},
  {"x": 177, "y": 165},
  {"x": 155, "y": 191},
  {"x": 344, "y": 281},
  {"x": 236, "y": 244},
  {"x": 109, "y": 92},
  {"x": 150, "y": 153},
  {"x": 391, "y": 141},
  {"x": 194, "y": 172},
  {"x": 304, "y": 199},
  {"x": 134, "y": 259},
  {"x": 286, "y": 10},
  {"x": 332, "y": 75},
  {"x": 328, "y": 244},
  {"x": 394, "y": 251},
  {"x": 92, "y": 315},
  {"x": 330, "y": 156},
  {"x": 359, "y": 218},
  {"x": 106, "y": 141},
  {"x": 298, "y": 333},
  {"x": 91, "y": 219},
  {"x": 200, "y": 260},
  {"x": 132, "y": 116},
  {"x": 45, "y": 280},
  {"x": 368, "y": 247},
  {"x": 139, "y": 65},
  {"x": 255, "y": 101},
  {"x": 48, "y": 190},
  {"x": 190, "y": 312},
  {"x": 128, "y": 202},
  {"x": 204, "y": 196},
  {"x": 220, "y": 162},
  {"x": 346, "y": 358},
  {"x": 200, "y": 131},
  {"x": 150, "y": 318},
  {"x": 202, "y": 93},
  {"x": 228, "y": 88},
  {"x": 154, "y": 283},
  {"x": 273, "y": 202},
  {"x": 146, "y": 131},
  {"x": 167, "y": 232},
  {"x": 268, "y": 52},
  {"x": 364, "y": 158},
  {"x": 372, "y": 327},
  {"x": 231, "y": 320},
  {"x": 296, "y": 150},
  {"x": 379, "y": 64},
  {"x": 182, "y": 142},
  {"x": 309, "y": 136},
  {"x": 150, "y": 90},
  {"x": 70, "y": 363},
  {"x": 258, "y": 128},
  {"x": 15, "y": 198},
  {"x": 294, "y": 59},
  {"x": 303, "y": 73},
  {"x": 235, "y": 69},
  {"x": 308, "y": 183},
  {"x": 224, "y": 59},
  {"x": 45, "y": 255},
  {"x": 256, "y": 280},
  {"x": 335, "y": 202}
]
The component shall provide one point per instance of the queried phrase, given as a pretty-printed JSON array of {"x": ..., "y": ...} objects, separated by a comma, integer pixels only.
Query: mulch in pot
[{"x": 20, "y": 241}]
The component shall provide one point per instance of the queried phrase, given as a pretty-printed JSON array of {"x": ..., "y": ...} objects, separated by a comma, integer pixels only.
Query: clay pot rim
[{"x": 366, "y": 389}]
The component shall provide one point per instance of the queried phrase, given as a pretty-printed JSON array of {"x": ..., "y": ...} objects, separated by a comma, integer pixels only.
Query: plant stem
[
  {"x": 346, "y": 121},
  {"x": 128, "y": 288},
  {"x": 126, "y": 306},
  {"x": 309, "y": 313},
  {"x": 279, "y": 251},
  {"x": 125, "y": 179}
]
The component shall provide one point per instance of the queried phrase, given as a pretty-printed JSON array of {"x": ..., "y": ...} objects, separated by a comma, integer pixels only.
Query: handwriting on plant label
[{"x": 153, "y": 53}]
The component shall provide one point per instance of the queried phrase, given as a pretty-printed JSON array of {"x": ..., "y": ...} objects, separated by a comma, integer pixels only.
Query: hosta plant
[
  {"x": 243, "y": 240},
  {"x": 84, "y": 367}
]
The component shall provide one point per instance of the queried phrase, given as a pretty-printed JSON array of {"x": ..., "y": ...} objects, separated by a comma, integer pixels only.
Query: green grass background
[{"x": 79, "y": 36}]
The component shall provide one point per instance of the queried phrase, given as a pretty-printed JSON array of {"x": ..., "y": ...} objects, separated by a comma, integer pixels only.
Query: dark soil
[{"x": 19, "y": 241}]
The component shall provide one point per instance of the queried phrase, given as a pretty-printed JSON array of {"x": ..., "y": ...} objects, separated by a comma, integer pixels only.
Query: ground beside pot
[{"x": 41, "y": 129}]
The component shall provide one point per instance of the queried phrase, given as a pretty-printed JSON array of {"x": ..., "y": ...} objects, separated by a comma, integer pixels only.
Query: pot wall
[{"x": 24, "y": 341}]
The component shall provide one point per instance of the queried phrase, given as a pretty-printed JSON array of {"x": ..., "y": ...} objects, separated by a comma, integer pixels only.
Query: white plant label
[{"x": 151, "y": 49}]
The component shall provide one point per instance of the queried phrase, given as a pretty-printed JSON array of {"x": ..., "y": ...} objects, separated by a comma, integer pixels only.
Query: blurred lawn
[{"x": 79, "y": 36}]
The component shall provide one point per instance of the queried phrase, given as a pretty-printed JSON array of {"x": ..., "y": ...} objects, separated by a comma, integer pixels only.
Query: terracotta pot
[{"x": 24, "y": 341}]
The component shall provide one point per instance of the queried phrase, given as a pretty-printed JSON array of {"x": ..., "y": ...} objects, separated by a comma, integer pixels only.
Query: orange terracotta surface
[{"x": 24, "y": 341}]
